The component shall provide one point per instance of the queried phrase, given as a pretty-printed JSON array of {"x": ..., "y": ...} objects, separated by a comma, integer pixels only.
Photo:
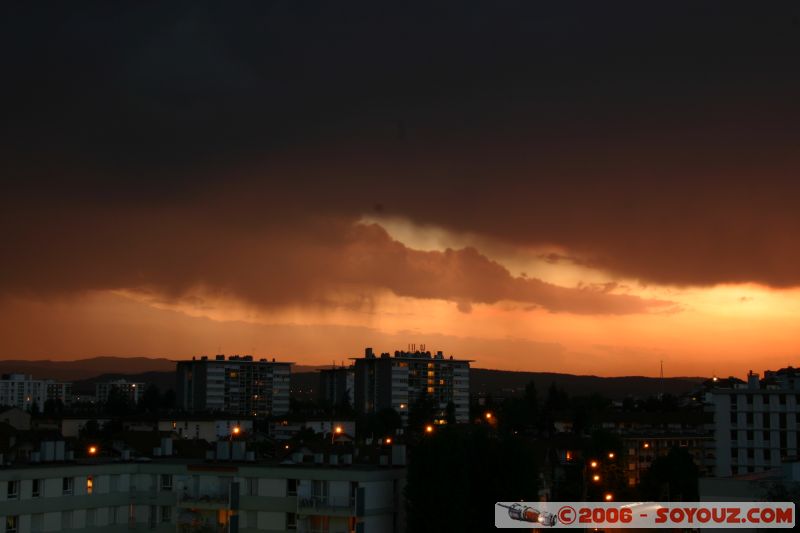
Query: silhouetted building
[
  {"x": 756, "y": 423},
  {"x": 125, "y": 389},
  {"x": 400, "y": 381},
  {"x": 236, "y": 385},
  {"x": 336, "y": 385}
]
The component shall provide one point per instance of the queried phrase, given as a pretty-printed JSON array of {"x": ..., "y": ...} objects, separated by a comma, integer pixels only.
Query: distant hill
[
  {"x": 83, "y": 369},
  {"x": 86, "y": 368},
  {"x": 163, "y": 380},
  {"x": 509, "y": 383},
  {"x": 84, "y": 373}
]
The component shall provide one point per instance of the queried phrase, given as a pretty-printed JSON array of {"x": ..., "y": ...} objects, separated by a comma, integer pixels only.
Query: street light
[
  {"x": 236, "y": 430},
  {"x": 593, "y": 464},
  {"x": 92, "y": 450},
  {"x": 488, "y": 416},
  {"x": 429, "y": 429},
  {"x": 608, "y": 497},
  {"x": 610, "y": 455},
  {"x": 595, "y": 478},
  {"x": 388, "y": 440}
]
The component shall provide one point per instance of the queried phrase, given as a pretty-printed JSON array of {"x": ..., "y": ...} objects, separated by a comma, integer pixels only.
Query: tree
[
  {"x": 53, "y": 407},
  {"x": 450, "y": 413},
  {"x": 150, "y": 402},
  {"x": 672, "y": 477},
  {"x": 117, "y": 403},
  {"x": 456, "y": 472}
]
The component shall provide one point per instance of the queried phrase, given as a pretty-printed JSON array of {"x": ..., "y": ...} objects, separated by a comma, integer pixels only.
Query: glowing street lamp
[
  {"x": 608, "y": 497},
  {"x": 92, "y": 450},
  {"x": 593, "y": 464},
  {"x": 610, "y": 455},
  {"x": 429, "y": 429},
  {"x": 489, "y": 416},
  {"x": 338, "y": 430},
  {"x": 595, "y": 478},
  {"x": 388, "y": 440}
]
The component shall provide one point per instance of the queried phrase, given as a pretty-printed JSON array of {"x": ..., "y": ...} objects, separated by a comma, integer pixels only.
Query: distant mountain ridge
[
  {"x": 82, "y": 369},
  {"x": 85, "y": 372}
]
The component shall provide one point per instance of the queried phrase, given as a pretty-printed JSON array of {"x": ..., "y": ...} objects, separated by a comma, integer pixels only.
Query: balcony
[
  {"x": 204, "y": 500},
  {"x": 326, "y": 505}
]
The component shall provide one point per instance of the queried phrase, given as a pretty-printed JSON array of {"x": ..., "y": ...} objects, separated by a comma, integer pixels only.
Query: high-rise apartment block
[
  {"x": 237, "y": 385},
  {"x": 755, "y": 423},
  {"x": 336, "y": 385},
  {"x": 21, "y": 390},
  {"x": 399, "y": 381}
]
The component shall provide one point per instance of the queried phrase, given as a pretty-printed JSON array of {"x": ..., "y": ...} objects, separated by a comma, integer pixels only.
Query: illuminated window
[
  {"x": 89, "y": 484},
  {"x": 430, "y": 390}
]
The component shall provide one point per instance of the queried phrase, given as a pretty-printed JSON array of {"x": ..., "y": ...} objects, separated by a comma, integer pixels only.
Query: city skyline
[{"x": 535, "y": 191}]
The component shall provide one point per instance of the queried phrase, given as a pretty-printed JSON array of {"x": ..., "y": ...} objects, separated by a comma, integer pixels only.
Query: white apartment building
[
  {"x": 399, "y": 381},
  {"x": 21, "y": 390},
  {"x": 755, "y": 423},
  {"x": 169, "y": 494},
  {"x": 237, "y": 385}
]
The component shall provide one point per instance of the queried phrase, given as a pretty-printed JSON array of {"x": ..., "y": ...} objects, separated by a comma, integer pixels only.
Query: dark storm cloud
[
  {"x": 277, "y": 260},
  {"x": 153, "y": 143}
]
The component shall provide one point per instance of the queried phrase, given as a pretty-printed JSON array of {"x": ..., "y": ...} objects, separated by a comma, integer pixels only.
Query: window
[
  {"x": 67, "y": 486},
  {"x": 13, "y": 490},
  {"x": 166, "y": 513},
  {"x": 734, "y": 453},
  {"x": 89, "y": 484},
  {"x": 749, "y": 418},
  {"x": 767, "y": 455},
  {"x": 36, "y": 488},
  {"x": 291, "y": 521},
  {"x": 152, "y": 517},
  {"x": 749, "y": 435},
  {"x": 733, "y": 418},
  {"x": 66, "y": 520},
  {"x": 166, "y": 482},
  {"x": 733, "y": 435},
  {"x": 251, "y": 486},
  {"x": 291, "y": 487},
  {"x": 12, "y": 524},
  {"x": 91, "y": 517}
]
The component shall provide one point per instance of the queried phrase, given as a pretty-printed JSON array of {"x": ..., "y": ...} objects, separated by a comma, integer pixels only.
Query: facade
[
  {"x": 283, "y": 430},
  {"x": 208, "y": 429},
  {"x": 182, "y": 495},
  {"x": 755, "y": 423},
  {"x": 131, "y": 391},
  {"x": 237, "y": 385},
  {"x": 400, "y": 381},
  {"x": 336, "y": 384},
  {"x": 647, "y": 436},
  {"x": 21, "y": 390}
]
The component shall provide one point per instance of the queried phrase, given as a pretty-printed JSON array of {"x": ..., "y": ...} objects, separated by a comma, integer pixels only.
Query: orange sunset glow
[{"x": 542, "y": 203}]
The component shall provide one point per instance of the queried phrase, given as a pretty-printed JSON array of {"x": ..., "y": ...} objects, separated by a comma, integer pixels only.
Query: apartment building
[
  {"x": 171, "y": 494},
  {"x": 755, "y": 423},
  {"x": 399, "y": 381},
  {"x": 23, "y": 391},
  {"x": 126, "y": 389},
  {"x": 238, "y": 385},
  {"x": 336, "y": 385}
]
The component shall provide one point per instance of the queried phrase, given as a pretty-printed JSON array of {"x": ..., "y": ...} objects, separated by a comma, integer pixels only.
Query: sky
[{"x": 576, "y": 187}]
